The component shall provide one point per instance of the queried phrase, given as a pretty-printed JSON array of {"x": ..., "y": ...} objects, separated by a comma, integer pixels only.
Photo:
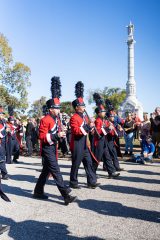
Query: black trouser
[
  {"x": 113, "y": 153},
  {"x": 118, "y": 147},
  {"x": 3, "y": 167},
  {"x": 87, "y": 162},
  {"x": 12, "y": 148},
  {"x": 29, "y": 145},
  {"x": 107, "y": 160},
  {"x": 50, "y": 166},
  {"x": 63, "y": 145}
]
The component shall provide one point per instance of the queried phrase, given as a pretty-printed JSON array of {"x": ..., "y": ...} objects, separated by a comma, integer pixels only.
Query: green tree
[
  {"x": 14, "y": 78},
  {"x": 36, "y": 108},
  {"x": 115, "y": 95},
  {"x": 67, "y": 107}
]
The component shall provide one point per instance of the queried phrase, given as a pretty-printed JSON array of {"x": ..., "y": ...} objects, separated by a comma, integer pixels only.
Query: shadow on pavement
[
  {"x": 118, "y": 210},
  {"x": 31, "y": 179},
  {"x": 29, "y": 194},
  {"x": 17, "y": 191},
  {"x": 131, "y": 190},
  {"x": 130, "y": 162},
  {"x": 138, "y": 179},
  {"x": 144, "y": 172},
  {"x": 23, "y": 178},
  {"x": 33, "y": 230},
  {"x": 35, "y": 169}
]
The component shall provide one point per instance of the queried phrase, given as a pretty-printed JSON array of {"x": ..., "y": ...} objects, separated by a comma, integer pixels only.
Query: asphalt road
[{"x": 127, "y": 208}]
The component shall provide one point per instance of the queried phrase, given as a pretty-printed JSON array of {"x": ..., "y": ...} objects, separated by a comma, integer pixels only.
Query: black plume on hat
[
  {"x": 97, "y": 98},
  {"x": 79, "y": 89},
  {"x": 44, "y": 109},
  {"x": 10, "y": 110},
  {"x": 56, "y": 87},
  {"x": 109, "y": 105}
]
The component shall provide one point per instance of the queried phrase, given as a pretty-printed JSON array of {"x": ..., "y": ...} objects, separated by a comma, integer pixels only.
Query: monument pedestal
[{"x": 131, "y": 104}]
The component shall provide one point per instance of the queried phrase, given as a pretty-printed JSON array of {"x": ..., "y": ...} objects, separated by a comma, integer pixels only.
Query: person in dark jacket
[
  {"x": 12, "y": 144},
  {"x": 28, "y": 137}
]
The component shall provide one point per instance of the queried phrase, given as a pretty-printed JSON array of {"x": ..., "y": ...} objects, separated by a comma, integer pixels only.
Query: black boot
[
  {"x": 75, "y": 186},
  {"x": 93, "y": 186},
  {"x": 4, "y": 229},
  {"x": 15, "y": 161},
  {"x": 113, "y": 175},
  {"x": 40, "y": 196},
  {"x": 5, "y": 177},
  {"x": 69, "y": 199},
  {"x": 125, "y": 154}
]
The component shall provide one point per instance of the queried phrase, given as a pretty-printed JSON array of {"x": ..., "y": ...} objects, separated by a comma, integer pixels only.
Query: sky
[{"x": 85, "y": 40}]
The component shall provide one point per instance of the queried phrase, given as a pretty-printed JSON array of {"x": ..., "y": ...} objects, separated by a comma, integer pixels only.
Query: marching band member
[
  {"x": 81, "y": 151},
  {"x": 12, "y": 146},
  {"x": 100, "y": 141},
  {"x": 49, "y": 134}
]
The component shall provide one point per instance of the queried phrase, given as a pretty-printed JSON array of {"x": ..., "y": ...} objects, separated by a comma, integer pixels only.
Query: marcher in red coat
[
  {"x": 49, "y": 134},
  {"x": 80, "y": 147},
  {"x": 101, "y": 142}
]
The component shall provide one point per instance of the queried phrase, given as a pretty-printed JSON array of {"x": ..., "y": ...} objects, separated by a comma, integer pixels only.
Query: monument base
[{"x": 131, "y": 104}]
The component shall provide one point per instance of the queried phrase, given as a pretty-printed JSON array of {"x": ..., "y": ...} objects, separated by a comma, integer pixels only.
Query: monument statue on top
[{"x": 131, "y": 102}]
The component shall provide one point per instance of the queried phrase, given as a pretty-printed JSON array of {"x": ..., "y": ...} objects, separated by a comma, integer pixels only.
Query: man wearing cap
[
  {"x": 3, "y": 169},
  {"x": 101, "y": 142},
  {"x": 49, "y": 134},
  {"x": 79, "y": 145}
]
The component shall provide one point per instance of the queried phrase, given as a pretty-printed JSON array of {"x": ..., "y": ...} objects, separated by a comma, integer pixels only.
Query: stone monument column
[
  {"x": 131, "y": 102},
  {"x": 131, "y": 84}
]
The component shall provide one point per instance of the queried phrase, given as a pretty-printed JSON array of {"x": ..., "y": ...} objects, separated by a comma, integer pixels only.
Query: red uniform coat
[
  {"x": 2, "y": 130},
  {"x": 48, "y": 127},
  {"x": 12, "y": 128},
  {"x": 78, "y": 133}
]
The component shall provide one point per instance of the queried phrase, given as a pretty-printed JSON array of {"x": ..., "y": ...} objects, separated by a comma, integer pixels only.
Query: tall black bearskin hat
[
  {"x": 109, "y": 105},
  {"x": 1, "y": 110},
  {"x": 54, "y": 102},
  {"x": 109, "y": 108},
  {"x": 44, "y": 110},
  {"x": 99, "y": 103},
  {"x": 79, "y": 90}
]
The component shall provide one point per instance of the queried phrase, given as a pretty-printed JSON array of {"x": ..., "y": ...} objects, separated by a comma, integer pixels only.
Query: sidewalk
[{"x": 126, "y": 208}]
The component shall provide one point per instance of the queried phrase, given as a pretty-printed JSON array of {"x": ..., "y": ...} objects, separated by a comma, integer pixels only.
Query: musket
[
  {"x": 114, "y": 129},
  {"x": 96, "y": 131},
  {"x": 62, "y": 126}
]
